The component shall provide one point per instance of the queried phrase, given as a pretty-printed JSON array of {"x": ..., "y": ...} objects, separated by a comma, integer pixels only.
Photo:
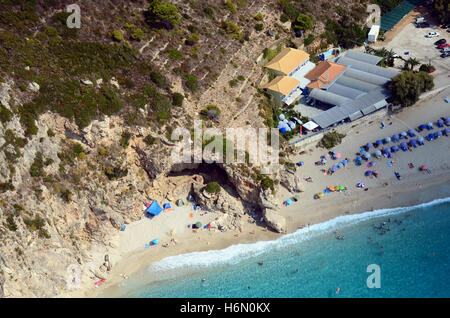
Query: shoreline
[{"x": 431, "y": 190}]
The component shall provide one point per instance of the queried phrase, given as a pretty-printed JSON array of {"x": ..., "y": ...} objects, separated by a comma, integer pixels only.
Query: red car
[{"x": 441, "y": 46}]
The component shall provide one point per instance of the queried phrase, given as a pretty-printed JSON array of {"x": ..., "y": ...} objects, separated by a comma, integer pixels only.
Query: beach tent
[
  {"x": 368, "y": 173},
  {"x": 154, "y": 208},
  {"x": 367, "y": 155},
  {"x": 166, "y": 206},
  {"x": 411, "y": 133},
  {"x": 179, "y": 202},
  {"x": 395, "y": 138},
  {"x": 422, "y": 127}
]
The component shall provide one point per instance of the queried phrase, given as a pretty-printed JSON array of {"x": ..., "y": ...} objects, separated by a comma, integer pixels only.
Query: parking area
[{"x": 412, "y": 40}]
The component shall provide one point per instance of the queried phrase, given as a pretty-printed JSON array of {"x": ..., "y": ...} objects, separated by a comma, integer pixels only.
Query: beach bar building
[{"x": 356, "y": 88}]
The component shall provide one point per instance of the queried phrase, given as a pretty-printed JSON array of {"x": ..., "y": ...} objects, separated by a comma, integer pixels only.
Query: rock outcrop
[{"x": 275, "y": 220}]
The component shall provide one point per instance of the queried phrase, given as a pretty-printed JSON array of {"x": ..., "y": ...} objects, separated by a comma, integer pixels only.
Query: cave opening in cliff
[{"x": 210, "y": 172}]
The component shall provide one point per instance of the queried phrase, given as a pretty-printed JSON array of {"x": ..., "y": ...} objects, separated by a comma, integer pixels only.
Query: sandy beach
[{"x": 385, "y": 191}]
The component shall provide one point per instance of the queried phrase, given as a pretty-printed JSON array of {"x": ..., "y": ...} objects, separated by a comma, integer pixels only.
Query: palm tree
[
  {"x": 412, "y": 61},
  {"x": 390, "y": 57}
]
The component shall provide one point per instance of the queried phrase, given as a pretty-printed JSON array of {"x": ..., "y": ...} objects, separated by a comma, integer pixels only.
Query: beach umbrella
[
  {"x": 430, "y": 137},
  {"x": 362, "y": 150},
  {"x": 334, "y": 168},
  {"x": 342, "y": 188},
  {"x": 320, "y": 194},
  {"x": 291, "y": 124},
  {"x": 429, "y": 126},
  {"x": 378, "y": 153},
  {"x": 412, "y": 143},
  {"x": 368, "y": 173},
  {"x": 439, "y": 133},
  {"x": 379, "y": 142},
  {"x": 422, "y": 127},
  {"x": 404, "y": 134},
  {"x": 338, "y": 155},
  {"x": 282, "y": 117},
  {"x": 420, "y": 139},
  {"x": 368, "y": 145},
  {"x": 198, "y": 225},
  {"x": 411, "y": 133},
  {"x": 440, "y": 123},
  {"x": 403, "y": 144},
  {"x": 359, "y": 158},
  {"x": 396, "y": 137},
  {"x": 395, "y": 148},
  {"x": 331, "y": 188},
  {"x": 423, "y": 167},
  {"x": 340, "y": 165},
  {"x": 373, "y": 163},
  {"x": 446, "y": 131},
  {"x": 326, "y": 191},
  {"x": 367, "y": 155},
  {"x": 375, "y": 173}
]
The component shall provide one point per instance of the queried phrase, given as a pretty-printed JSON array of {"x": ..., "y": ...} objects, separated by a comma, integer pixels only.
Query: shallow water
[{"x": 413, "y": 256}]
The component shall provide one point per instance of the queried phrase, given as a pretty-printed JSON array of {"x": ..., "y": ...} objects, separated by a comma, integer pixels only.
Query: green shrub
[
  {"x": 267, "y": 183},
  {"x": 212, "y": 187},
  {"x": 192, "y": 39},
  {"x": 150, "y": 140},
  {"x": 259, "y": 27},
  {"x": 175, "y": 54},
  {"x": 259, "y": 17},
  {"x": 158, "y": 79},
  {"x": 209, "y": 12},
  {"x": 66, "y": 195},
  {"x": 231, "y": 6},
  {"x": 125, "y": 139},
  {"x": 232, "y": 83},
  {"x": 5, "y": 114},
  {"x": 161, "y": 12},
  {"x": 6, "y": 186},
  {"x": 138, "y": 34},
  {"x": 36, "y": 168},
  {"x": 191, "y": 82},
  {"x": 308, "y": 40},
  {"x": 210, "y": 112},
  {"x": 10, "y": 224},
  {"x": 50, "y": 133},
  {"x": 77, "y": 149},
  {"x": 177, "y": 99},
  {"x": 331, "y": 140},
  {"x": 117, "y": 36}
]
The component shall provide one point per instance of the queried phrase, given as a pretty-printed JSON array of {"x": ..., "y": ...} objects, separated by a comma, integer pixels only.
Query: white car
[{"x": 432, "y": 35}]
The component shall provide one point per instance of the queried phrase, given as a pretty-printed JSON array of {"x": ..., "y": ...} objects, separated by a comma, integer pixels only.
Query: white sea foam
[{"x": 239, "y": 252}]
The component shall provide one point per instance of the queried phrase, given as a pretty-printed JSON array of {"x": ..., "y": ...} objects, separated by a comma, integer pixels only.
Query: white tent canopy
[{"x": 310, "y": 125}]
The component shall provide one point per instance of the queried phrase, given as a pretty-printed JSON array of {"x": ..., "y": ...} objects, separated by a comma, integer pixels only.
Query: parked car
[
  {"x": 399, "y": 177},
  {"x": 445, "y": 49},
  {"x": 423, "y": 25},
  {"x": 432, "y": 34},
  {"x": 441, "y": 41},
  {"x": 441, "y": 46},
  {"x": 445, "y": 54}
]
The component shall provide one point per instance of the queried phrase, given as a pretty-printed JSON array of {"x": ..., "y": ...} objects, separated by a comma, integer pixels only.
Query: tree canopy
[
  {"x": 407, "y": 87},
  {"x": 303, "y": 22},
  {"x": 163, "y": 12}
]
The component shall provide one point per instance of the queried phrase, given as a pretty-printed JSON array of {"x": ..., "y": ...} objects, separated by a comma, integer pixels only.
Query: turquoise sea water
[{"x": 414, "y": 260}]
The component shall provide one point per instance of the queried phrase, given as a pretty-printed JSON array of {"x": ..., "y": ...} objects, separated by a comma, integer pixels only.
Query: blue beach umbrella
[
  {"x": 379, "y": 142},
  {"x": 404, "y": 134},
  {"x": 411, "y": 133},
  {"x": 446, "y": 131},
  {"x": 368, "y": 173},
  {"x": 439, "y": 133},
  {"x": 429, "y": 125},
  {"x": 440, "y": 123},
  {"x": 367, "y": 155},
  {"x": 422, "y": 127},
  {"x": 412, "y": 142},
  {"x": 369, "y": 145},
  {"x": 394, "y": 148},
  {"x": 395, "y": 137},
  {"x": 387, "y": 139},
  {"x": 430, "y": 137},
  {"x": 340, "y": 165}
]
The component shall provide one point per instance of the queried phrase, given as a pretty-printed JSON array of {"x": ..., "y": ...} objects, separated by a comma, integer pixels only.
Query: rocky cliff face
[{"x": 65, "y": 193}]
